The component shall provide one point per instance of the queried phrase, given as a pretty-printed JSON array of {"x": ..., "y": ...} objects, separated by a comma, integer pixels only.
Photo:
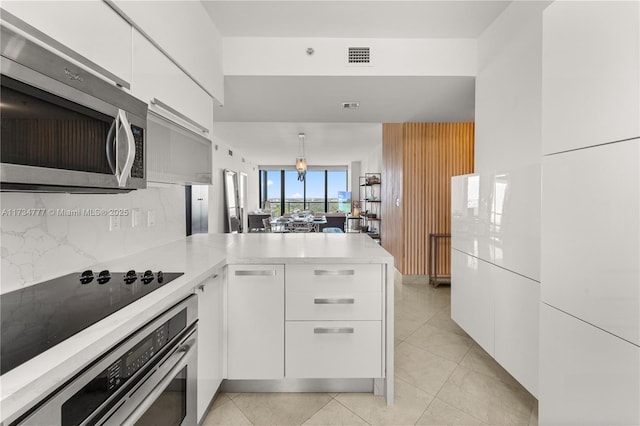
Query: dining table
[{"x": 297, "y": 224}]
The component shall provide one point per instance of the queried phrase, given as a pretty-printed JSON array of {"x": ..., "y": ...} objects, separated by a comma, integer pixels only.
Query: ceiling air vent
[
  {"x": 350, "y": 105},
  {"x": 359, "y": 55}
]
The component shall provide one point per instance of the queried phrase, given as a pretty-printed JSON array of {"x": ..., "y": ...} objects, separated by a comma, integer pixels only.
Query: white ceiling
[
  {"x": 277, "y": 144},
  {"x": 263, "y": 115},
  {"x": 360, "y": 18}
]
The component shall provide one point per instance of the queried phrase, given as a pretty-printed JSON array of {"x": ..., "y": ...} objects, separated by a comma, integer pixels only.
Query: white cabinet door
[
  {"x": 591, "y": 236},
  {"x": 472, "y": 298},
  {"x": 155, "y": 76},
  {"x": 471, "y": 210},
  {"x": 587, "y": 376},
  {"x": 90, "y": 28},
  {"x": 255, "y": 322},
  {"x": 590, "y": 73},
  {"x": 515, "y": 220},
  {"x": 517, "y": 316},
  {"x": 210, "y": 345}
]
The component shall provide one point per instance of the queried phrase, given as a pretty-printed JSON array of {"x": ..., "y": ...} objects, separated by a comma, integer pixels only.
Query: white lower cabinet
[
  {"x": 334, "y": 321},
  {"x": 499, "y": 309},
  {"x": 517, "y": 318},
  {"x": 255, "y": 321},
  {"x": 333, "y": 349},
  {"x": 210, "y": 342},
  {"x": 472, "y": 298}
]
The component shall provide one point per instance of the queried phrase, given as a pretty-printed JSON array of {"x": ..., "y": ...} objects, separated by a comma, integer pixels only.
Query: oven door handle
[{"x": 184, "y": 352}]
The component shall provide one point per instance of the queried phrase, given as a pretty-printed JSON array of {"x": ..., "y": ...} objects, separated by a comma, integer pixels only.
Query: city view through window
[{"x": 282, "y": 192}]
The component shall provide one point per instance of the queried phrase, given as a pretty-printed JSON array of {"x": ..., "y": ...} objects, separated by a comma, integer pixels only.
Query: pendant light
[{"x": 301, "y": 161}]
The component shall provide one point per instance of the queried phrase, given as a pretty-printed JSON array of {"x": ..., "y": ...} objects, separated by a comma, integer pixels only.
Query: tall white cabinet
[{"x": 590, "y": 283}]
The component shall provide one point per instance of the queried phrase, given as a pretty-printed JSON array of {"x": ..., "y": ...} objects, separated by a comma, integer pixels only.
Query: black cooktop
[{"x": 39, "y": 317}]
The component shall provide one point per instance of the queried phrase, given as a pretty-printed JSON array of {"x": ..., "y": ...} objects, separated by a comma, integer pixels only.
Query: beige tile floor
[{"x": 442, "y": 378}]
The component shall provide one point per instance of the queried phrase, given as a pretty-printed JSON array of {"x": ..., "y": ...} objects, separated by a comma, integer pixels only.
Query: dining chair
[{"x": 267, "y": 224}]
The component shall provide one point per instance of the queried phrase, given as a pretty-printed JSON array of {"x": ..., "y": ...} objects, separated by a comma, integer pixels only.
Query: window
[
  {"x": 282, "y": 192},
  {"x": 271, "y": 182}
]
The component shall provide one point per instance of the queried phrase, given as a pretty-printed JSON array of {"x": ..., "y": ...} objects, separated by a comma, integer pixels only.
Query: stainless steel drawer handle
[
  {"x": 271, "y": 273},
  {"x": 333, "y": 330},
  {"x": 342, "y": 272},
  {"x": 334, "y": 301}
]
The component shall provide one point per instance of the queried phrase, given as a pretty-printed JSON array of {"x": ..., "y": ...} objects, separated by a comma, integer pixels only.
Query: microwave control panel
[{"x": 137, "y": 170}]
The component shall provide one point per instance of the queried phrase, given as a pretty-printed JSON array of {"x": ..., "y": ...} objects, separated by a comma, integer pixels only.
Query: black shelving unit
[{"x": 371, "y": 204}]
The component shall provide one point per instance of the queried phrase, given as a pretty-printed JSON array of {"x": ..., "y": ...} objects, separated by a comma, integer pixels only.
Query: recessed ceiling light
[{"x": 350, "y": 105}]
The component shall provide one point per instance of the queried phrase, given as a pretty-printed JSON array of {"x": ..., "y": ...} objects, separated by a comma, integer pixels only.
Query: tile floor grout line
[
  {"x": 243, "y": 413},
  {"x": 443, "y": 385},
  {"x": 318, "y": 410},
  {"x": 351, "y": 411},
  {"x": 434, "y": 354}
]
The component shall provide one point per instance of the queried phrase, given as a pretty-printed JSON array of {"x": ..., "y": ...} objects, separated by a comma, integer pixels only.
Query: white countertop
[{"x": 198, "y": 257}]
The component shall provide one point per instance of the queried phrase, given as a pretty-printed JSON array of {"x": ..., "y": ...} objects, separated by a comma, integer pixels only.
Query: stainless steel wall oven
[
  {"x": 148, "y": 379},
  {"x": 63, "y": 128}
]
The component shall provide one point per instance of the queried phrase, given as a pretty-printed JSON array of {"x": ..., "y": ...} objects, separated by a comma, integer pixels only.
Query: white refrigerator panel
[
  {"x": 590, "y": 73},
  {"x": 591, "y": 236},
  {"x": 587, "y": 376}
]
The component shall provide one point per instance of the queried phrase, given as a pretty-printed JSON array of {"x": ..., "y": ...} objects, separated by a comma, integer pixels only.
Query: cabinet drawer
[
  {"x": 334, "y": 305},
  {"x": 333, "y": 349},
  {"x": 334, "y": 278}
]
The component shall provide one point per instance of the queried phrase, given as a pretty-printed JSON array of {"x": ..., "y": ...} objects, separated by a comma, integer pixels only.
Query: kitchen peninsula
[{"x": 277, "y": 312}]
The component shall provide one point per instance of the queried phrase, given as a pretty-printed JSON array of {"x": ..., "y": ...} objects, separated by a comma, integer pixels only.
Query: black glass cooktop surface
[{"x": 39, "y": 317}]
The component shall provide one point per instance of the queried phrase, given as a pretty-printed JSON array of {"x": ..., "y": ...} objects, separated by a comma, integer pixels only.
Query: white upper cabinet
[
  {"x": 591, "y": 236},
  {"x": 91, "y": 29},
  {"x": 493, "y": 218},
  {"x": 185, "y": 32},
  {"x": 471, "y": 206},
  {"x": 156, "y": 77},
  {"x": 590, "y": 74}
]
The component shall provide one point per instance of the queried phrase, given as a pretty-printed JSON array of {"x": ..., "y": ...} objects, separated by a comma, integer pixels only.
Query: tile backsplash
[{"x": 49, "y": 235}]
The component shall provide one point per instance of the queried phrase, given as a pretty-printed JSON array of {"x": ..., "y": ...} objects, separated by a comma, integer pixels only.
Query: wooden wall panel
[
  {"x": 391, "y": 188},
  {"x": 421, "y": 164}
]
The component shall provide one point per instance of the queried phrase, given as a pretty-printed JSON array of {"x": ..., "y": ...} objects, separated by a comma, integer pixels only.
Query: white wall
[
  {"x": 51, "y": 243},
  {"x": 372, "y": 163},
  {"x": 407, "y": 57},
  {"x": 221, "y": 161}
]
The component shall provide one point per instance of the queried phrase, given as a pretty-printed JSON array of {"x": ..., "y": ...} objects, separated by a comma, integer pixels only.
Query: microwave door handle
[
  {"x": 126, "y": 150},
  {"x": 111, "y": 146}
]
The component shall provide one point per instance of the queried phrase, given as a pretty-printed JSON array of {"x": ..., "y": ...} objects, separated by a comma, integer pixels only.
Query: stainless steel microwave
[{"x": 63, "y": 128}]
